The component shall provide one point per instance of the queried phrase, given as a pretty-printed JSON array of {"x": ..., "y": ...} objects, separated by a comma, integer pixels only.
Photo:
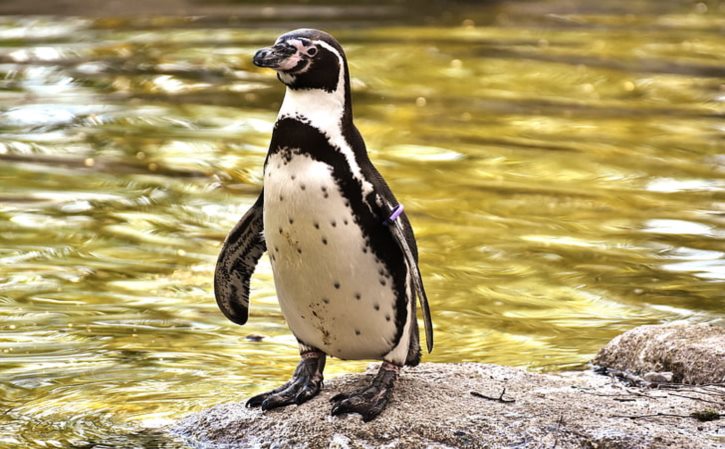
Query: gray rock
[
  {"x": 432, "y": 407},
  {"x": 693, "y": 353},
  {"x": 665, "y": 377}
]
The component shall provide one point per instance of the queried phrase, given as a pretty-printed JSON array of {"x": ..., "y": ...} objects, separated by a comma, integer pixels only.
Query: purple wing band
[{"x": 395, "y": 214}]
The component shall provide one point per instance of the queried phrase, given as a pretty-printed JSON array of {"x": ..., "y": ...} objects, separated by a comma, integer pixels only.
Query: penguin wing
[
  {"x": 403, "y": 233},
  {"x": 238, "y": 258},
  {"x": 400, "y": 228}
]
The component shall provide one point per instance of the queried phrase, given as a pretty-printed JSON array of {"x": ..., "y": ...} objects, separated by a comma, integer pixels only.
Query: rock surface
[
  {"x": 693, "y": 353},
  {"x": 432, "y": 407}
]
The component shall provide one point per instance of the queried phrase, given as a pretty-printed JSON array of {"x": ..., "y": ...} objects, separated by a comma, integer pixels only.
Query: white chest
[{"x": 332, "y": 291}]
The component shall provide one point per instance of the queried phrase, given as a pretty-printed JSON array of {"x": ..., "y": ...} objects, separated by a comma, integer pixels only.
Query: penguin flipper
[
  {"x": 401, "y": 237},
  {"x": 237, "y": 260}
]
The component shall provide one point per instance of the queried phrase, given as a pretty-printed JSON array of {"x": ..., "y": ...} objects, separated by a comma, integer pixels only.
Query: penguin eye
[{"x": 312, "y": 51}]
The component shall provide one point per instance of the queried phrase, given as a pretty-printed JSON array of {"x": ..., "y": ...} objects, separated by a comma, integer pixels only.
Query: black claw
[
  {"x": 341, "y": 408},
  {"x": 336, "y": 410},
  {"x": 339, "y": 397},
  {"x": 371, "y": 400},
  {"x": 305, "y": 384},
  {"x": 289, "y": 395},
  {"x": 308, "y": 391},
  {"x": 256, "y": 401},
  {"x": 277, "y": 400}
]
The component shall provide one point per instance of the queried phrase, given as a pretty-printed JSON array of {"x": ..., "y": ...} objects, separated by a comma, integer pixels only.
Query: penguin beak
[{"x": 273, "y": 57}]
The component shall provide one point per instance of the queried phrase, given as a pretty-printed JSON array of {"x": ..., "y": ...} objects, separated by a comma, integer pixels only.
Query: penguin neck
[{"x": 328, "y": 111}]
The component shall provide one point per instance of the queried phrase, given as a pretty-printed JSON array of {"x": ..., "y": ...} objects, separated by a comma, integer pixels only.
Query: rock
[
  {"x": 693, "y": 353},
  {"x": 659, "y": 378},
  {"x": 432, "y": 407}
]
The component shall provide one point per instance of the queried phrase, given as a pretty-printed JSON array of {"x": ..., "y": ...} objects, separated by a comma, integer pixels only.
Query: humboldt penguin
[{"x": 343, "y": 254}]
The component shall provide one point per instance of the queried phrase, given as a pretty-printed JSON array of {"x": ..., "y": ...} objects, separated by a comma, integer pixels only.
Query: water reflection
[{"x": 561, "y": 164}]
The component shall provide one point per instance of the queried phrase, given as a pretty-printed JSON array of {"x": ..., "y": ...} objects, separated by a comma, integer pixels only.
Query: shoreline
[{"x": 474, "y": 405}]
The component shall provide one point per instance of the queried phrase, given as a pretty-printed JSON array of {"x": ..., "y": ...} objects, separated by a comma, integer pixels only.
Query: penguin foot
[
  {"x": 304, "y": 385},
  {"x": 371, "y": 400}
]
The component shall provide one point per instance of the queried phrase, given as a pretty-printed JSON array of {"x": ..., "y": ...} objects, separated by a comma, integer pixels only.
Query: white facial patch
[{"x": 292, "y": 61}]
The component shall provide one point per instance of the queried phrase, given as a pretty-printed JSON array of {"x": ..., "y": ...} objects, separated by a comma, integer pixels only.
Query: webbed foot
[
  {"x": 371, "y": 400},
  {"x": 304, "y": 385}
]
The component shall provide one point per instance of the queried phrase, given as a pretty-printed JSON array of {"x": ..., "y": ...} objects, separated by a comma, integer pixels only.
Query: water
[{"x": 562, "y": 164}]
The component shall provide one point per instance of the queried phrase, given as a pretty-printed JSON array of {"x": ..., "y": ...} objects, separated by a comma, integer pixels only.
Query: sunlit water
[{"x": 563, "y": 167}]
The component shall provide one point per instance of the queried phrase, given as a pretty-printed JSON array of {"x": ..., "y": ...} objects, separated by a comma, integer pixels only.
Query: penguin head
[{"x": 305, "y": 59}]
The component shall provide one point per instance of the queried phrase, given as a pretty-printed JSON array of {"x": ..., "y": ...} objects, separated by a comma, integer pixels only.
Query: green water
[{"x": 562, "y": 164}]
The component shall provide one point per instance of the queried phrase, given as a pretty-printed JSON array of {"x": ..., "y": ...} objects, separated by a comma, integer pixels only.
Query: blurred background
[{"x": 562, "y": 162}]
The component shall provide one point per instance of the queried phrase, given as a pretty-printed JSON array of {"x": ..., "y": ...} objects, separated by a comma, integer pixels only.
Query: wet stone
[
  {"x": 434, "y": 405},
  {"x": 684, "y": 352}
]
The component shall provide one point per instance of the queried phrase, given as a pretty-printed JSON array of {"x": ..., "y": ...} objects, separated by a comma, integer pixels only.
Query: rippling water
[{"x": 562, "y": 164}]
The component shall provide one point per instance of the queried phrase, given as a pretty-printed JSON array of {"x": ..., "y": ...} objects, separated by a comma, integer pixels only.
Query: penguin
[{"x": 342, "y": 250}]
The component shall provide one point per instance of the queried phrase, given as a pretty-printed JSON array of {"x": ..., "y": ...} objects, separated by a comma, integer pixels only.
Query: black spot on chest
[{"x": 292, "y": 137}]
